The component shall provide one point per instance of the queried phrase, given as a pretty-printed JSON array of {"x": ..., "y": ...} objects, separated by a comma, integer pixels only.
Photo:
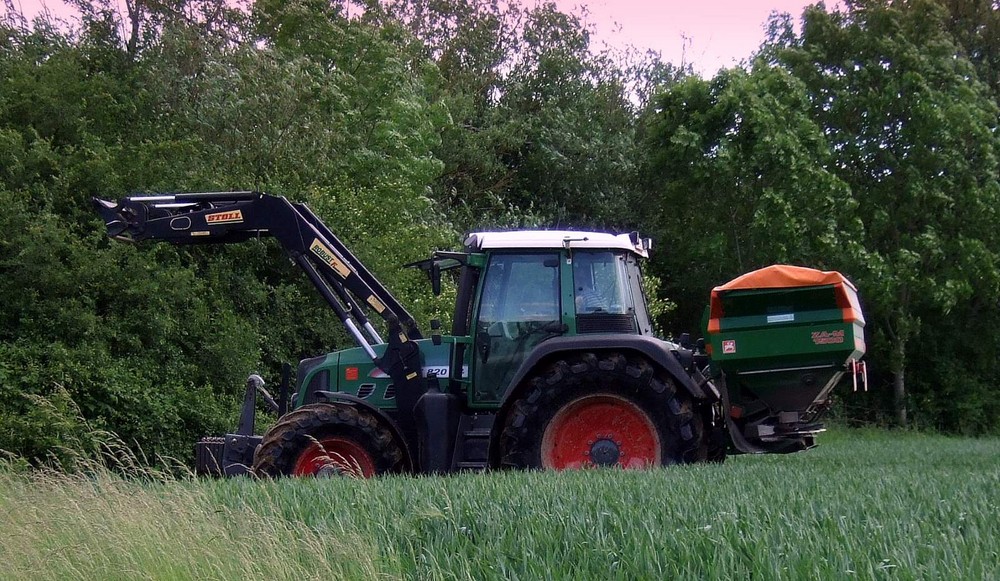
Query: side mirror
[{"x": 435, "y": 275}]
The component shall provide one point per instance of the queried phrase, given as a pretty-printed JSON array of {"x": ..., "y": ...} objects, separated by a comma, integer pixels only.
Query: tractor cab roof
[{"x": 555, "y": 239}]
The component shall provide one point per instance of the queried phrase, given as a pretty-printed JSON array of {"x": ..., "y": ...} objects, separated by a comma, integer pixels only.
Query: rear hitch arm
[{"x": 255, "y": 385}]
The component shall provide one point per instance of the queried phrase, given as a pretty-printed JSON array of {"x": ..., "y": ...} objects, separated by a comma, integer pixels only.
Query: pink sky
[{"x": 719, "y": 33}]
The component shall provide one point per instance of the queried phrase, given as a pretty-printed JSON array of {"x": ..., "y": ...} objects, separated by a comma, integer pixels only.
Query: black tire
[
  {"x": 303, "y": 430},
  {"x": 613, "y": 377}
]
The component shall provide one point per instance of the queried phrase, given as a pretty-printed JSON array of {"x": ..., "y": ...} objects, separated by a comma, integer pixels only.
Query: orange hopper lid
[
  {"x": 783, "y": 276},
  {"x": 787, "y": 276}
]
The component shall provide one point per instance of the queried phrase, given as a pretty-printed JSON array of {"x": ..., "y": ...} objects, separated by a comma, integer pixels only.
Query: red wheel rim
[
  {"x": 600, "y": 430},
  {"x": 334, "y": 456}
]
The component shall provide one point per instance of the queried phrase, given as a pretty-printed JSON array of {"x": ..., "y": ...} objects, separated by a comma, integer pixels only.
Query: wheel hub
[
  {"x": 328, "y": 470},
  {"x": 604, "y": 452}
]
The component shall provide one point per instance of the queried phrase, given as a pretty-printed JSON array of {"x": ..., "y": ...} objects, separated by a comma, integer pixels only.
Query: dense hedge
[{"x": 409, "y": 122}]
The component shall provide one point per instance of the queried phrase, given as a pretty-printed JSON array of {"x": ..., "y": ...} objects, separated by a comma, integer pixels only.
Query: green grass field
[{"x": 865, "y": 504}]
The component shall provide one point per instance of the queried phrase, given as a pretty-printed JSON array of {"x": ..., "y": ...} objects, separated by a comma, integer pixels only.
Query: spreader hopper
[{"x": 784, "y": 336}]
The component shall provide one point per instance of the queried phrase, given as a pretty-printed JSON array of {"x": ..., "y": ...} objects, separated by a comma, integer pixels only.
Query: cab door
[{"x": 518, "y": 308}]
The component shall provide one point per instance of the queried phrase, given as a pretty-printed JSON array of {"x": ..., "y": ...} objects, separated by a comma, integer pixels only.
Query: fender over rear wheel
[
  {"x": 325, "y": 439},
  {"x": 604, "y": 409}
]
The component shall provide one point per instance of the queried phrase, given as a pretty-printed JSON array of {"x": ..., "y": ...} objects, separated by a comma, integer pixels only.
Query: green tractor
[{"x": 551, "y": 362}]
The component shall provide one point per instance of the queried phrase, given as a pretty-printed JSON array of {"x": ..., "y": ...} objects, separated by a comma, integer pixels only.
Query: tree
[
  {"x": 473, "y": 45},
  {"x": 975, "y": 26},
  {"x": 543, "y": 125},
  {"x": 737, "y": 178},
  {"x": 576, "y": 159},
  {"x": 154, "y": 342},
  {"x": 915, "y": 136}
]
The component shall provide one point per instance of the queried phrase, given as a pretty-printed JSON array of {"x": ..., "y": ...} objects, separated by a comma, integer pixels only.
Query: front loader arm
[
  {"x": 227, "y": 217},
  {"x": 210, "y": 217}
]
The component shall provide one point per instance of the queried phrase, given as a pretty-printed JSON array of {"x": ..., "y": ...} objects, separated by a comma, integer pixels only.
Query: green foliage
[
  {"x": 866, "y": 142},
  {"x": 48, "y": 427},
  {"x": 543, "y": 125},
  {"x": 863, "y": 143},
  {"x": 154, "y": 343},
  {"x": 737, "y": 179},
  {"x": 657, "y": 306},
  {"x": 915, "y": 136},
  {"x": 134, "y": 344},
  {"x": 975, "y": 26}
]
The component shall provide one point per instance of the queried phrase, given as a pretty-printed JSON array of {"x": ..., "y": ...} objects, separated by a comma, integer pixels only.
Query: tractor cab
[{"x": 532, "y": 286}]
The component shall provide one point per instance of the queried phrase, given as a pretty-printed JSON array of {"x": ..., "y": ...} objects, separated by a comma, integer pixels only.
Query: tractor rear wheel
[
  {"x": 325, "y": 439},
  {"x": 603, "y": 409}
]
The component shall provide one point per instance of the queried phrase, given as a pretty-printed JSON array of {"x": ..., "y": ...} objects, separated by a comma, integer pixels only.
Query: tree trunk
[
  {"x": 899, "y": 382},
  {"x": 135, "y": 19}
]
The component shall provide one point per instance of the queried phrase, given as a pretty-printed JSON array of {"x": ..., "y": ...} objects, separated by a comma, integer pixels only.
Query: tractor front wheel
[
  {"x": 327, "y": 439},
  {"x": 607, "y": 409}
]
